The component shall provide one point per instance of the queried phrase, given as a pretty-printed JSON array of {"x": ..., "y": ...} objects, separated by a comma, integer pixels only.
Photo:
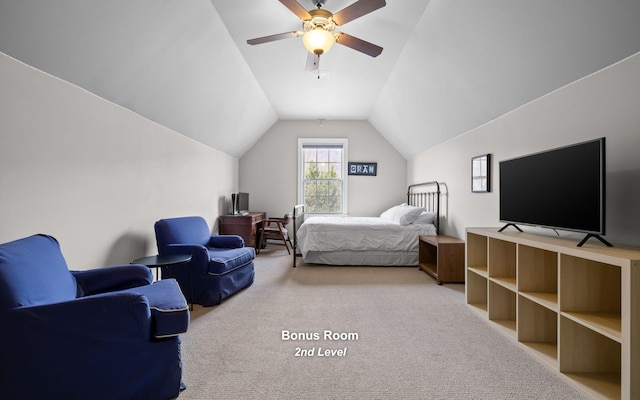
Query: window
[{"x": 321, "y": 175}]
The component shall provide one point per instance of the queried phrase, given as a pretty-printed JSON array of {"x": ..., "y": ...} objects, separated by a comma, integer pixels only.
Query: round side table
[{"x": 159, "y": 261}]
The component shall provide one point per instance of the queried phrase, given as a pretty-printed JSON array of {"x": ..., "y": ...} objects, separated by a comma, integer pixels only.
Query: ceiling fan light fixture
[
  {"x": 318, "y": 40},
  {"x": 319, "y": 25}
]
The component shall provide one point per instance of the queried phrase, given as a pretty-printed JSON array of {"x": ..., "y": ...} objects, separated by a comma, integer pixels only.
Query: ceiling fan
[{"x": 319, "y": 29}]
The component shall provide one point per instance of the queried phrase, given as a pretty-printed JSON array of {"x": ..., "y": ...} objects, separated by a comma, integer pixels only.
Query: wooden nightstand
[{"x": 442, "y": 257}]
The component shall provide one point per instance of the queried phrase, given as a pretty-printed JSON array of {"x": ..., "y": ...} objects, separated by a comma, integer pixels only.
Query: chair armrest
[
  {"x": 169, "y": 309},
  {"x": 226, "y": 241},
  {"x": 109, "y": 315},
  {"x": 109, "y": 279},
  {"x": 272, "y": 224},
  {"x": 190, "y": 249},
  {"x": 199, "y": 254}
]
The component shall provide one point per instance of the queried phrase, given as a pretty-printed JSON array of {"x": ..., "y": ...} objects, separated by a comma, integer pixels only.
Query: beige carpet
[{"x": 415, "y": 340}]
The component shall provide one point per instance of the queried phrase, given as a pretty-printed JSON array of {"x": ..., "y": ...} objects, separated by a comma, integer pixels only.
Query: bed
[{"x": 388, "y": 240}]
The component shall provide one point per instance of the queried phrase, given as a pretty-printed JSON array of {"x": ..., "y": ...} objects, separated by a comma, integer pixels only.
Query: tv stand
[
  {"x": 508, "y": 225},
  {"x": 575, "y": 309},
  {"x": 592, "y": 235}
]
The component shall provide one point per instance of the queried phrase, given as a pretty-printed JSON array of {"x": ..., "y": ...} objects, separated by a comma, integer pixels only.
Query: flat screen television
[
  {"x": 562, "y": 188},
  {"x": 239, "y": 203}
]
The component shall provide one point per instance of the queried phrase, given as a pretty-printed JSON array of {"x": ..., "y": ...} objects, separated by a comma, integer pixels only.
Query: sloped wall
[
  {"x": 606, "y": 103},
  {"x": 173, "y": 62},
  {"x": 95, "y": 175}
]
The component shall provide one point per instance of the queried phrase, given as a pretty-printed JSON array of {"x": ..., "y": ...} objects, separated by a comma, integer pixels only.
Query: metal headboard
[{"x": 428, "y": 198}]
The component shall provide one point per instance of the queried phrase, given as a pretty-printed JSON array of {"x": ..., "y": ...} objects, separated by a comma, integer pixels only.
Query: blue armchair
[
  {"x": 107, "y": 333},
  {"x": 220, "y": 264}
]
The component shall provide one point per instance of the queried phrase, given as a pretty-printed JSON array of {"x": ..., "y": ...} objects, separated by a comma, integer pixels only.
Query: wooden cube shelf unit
[
  {"x": 576, "y": 309},
  {"x": 442, "y": 257}
]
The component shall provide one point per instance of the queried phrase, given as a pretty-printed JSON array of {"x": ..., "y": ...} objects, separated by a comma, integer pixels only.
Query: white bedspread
[{"x": 359, "y": 233}]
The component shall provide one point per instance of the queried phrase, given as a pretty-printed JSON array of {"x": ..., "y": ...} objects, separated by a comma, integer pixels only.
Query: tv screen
[
  {"x": 563, "y": 188},
  {"x": 243, "y": 202}
]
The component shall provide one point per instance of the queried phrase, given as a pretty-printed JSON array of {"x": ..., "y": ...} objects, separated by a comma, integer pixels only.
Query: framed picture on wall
[
  {"x": 363, "y": 168},
  {"x": 481, "y": 174}
]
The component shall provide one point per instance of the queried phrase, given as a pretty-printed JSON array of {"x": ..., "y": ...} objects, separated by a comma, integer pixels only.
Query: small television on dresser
[
  {"x": 562, "y": 189},
  {"x": 239, "y": 203}
]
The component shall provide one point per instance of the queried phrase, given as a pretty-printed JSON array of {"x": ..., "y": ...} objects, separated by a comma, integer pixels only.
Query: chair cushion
[
  {"x": 33, "y": 272},
  {"x": 169, "y": 310},
  {"x": 222, "y": 261}
]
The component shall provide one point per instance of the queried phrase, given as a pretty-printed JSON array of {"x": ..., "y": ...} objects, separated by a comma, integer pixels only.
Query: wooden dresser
[{"x": 247, "y": 225}]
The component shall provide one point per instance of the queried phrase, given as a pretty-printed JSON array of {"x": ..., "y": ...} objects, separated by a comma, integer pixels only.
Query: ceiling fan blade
[
  {"x": 271, "y": 38},
  {"x": 313, "y": 61},
  {"x": 357, "y": 10},
  {"x": 358, "y": 44},
  {"x": 296, "y": 8}
]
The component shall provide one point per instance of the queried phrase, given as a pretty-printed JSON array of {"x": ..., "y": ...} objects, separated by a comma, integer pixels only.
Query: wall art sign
[{"x": 363, "y": 168}]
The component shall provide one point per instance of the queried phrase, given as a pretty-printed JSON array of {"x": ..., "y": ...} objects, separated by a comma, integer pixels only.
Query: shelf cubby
[
  {"x": 476, "y": 271},
  {"x": 476, "y": 253},
  {"x": 538, "y": 275},
  {"x": 591, "y": 295},
  {"x": 502, "y": 306},
  {"x": 502, "y": 259},
  {"x": 477, "y": 290},
  {"x": 538, "y": 329},
  {"x": 591, "y": 359}
]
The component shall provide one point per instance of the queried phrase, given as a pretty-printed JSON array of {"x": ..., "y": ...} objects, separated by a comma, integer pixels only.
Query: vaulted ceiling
[{"x": 447, "y": 65}]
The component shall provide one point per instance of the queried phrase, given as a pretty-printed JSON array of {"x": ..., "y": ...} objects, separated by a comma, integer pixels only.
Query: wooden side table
[
  {"x": 247, "y": 226},
  {"x": 442, "y": 257}
]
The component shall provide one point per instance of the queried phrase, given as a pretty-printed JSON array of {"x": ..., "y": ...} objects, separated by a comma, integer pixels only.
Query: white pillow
[
  {"x": 402, "y": 214},
  {"x": 425, "y": 217},
  {"x": 388, "y": 214}
]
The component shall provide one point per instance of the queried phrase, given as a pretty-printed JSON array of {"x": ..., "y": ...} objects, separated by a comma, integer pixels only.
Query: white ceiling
[
  {"x": 354, "y": 79},
  {"x": 447, "y": 65}
]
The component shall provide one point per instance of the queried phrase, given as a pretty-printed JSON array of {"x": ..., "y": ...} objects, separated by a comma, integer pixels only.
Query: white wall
[
  {"x": 95, "y": 175},
  {"x": 268, "y": 171},
  {"x": 606, "y": 103}
]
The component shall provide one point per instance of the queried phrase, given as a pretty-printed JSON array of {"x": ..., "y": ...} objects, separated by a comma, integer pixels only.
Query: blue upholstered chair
[
  {"x": 220, "y": 264},
  {"x": 107, "y": 333}
]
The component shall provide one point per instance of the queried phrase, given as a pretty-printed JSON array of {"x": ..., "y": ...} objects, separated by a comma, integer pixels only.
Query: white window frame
[{"x": 319, "y": 142}]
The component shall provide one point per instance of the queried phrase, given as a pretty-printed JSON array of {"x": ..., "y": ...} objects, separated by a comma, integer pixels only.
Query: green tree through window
[{"x": 323, "y": 178}]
